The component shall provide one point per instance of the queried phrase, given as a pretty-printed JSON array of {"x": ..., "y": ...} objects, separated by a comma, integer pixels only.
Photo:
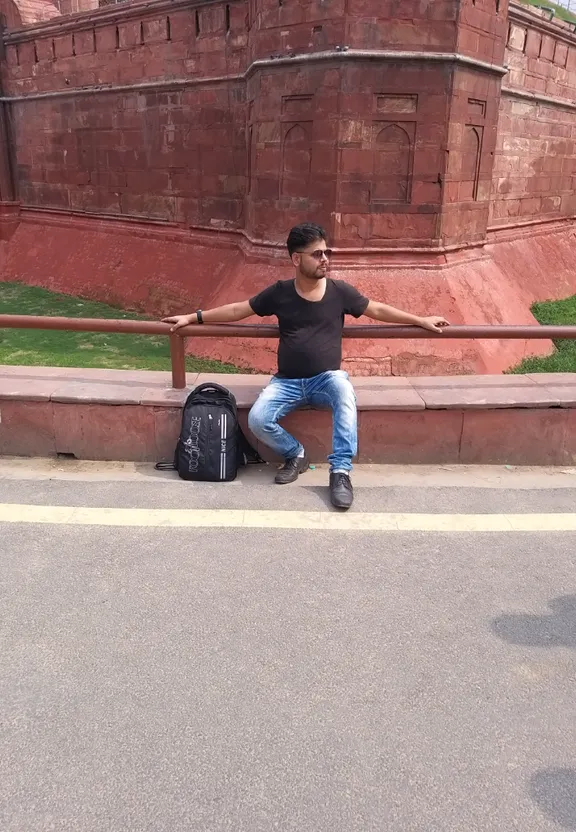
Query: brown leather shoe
[{"x": 291, "y": 470}]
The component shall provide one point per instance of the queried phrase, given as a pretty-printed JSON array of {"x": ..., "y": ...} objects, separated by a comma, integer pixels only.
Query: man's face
[{"x": 312, "y": 261}]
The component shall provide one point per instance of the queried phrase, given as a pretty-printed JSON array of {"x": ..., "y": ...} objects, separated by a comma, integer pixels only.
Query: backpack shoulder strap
[
  {"x": 169, "y": 466},
  {"x": 248, "y": 454}
]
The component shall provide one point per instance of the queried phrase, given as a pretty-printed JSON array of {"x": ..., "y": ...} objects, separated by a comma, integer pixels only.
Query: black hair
[{"x": 304, "y": 234}]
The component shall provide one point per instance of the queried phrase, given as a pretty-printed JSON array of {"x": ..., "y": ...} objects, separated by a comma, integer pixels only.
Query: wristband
[{"x": 199, "y": 316}]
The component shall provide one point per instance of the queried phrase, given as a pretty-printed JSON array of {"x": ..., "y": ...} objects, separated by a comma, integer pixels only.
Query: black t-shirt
[{"x": 310, "y": 331}]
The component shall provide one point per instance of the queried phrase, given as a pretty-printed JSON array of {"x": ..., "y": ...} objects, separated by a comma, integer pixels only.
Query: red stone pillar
[
  {"x": 473, "y": 121},
  {"x": 376, "y": 118},
  {"x": 9, "y": 207},
  {"x": 293, "y": 116}
]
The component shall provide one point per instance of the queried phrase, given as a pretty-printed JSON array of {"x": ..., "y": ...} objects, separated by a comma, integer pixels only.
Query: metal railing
[
  {"x": 177, "y": 341},
  {"x": 569, "y": 5}
]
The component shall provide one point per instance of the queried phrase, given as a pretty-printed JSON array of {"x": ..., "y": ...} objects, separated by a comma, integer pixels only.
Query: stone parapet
[{"x": 122, "y": 415}]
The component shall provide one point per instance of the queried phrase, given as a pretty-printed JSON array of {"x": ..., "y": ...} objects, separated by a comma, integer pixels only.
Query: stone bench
[{"x": 129, "y": 415}]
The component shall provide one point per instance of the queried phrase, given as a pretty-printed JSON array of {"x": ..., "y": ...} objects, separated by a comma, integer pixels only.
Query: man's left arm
[
  {"x": 389, "y": 315},
  {"x": 357, "y": 305}
]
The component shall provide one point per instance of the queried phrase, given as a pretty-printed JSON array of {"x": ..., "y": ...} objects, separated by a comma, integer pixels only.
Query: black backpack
[{"x": 211, "y": 446}]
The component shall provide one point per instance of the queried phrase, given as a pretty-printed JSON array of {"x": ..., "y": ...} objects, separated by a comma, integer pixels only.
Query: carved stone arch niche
[
  {"x": 471, "y": 155},
  {"x": 393, "y": 161},
  {"x": 296, "y": 160}
]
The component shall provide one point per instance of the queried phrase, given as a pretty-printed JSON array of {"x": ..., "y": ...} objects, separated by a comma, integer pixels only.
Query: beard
[{"x": 317, "y": 273}]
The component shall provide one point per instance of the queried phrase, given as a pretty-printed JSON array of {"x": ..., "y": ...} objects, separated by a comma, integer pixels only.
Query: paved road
[{"x": 265, "y": 679}]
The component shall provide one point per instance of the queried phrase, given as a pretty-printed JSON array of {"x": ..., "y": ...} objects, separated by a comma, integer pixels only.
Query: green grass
[
  {"x": 45, "y": 348},
  {"x": 563, "y": 359},
  {"x": 559, "y": 11}
]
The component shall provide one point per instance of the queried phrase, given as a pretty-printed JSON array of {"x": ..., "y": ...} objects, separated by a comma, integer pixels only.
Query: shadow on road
[
  {"x": 558, "y": 629},
  {"x": 552, "y": 789},
  {"x": 554, "y": 792}
]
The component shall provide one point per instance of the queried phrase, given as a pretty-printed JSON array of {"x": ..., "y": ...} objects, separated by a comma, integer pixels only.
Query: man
[{"x": 310, "y": 311}]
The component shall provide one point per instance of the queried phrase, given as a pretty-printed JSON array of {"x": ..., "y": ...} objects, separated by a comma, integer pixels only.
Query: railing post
[{"x": 178, "y": 358}]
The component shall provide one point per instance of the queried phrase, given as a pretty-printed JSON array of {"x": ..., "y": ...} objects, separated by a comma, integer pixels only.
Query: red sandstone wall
[
  {"x": 359, "y": 150},
  {"x": 177, "y": 155},
  {"x": 535, "y": 162},
  {"x": 472, "y": 121},
  {"x": 482, "y": 26},
  {"x": 284, "y": 27},
  {"x": 356, "y": 148},
  {"x": 127, "y": 44},
  {"x": 364, "y": 147},
  {"x": 470, "y": 152},
  {"x": 390, "y": 155},
  {"x": 404, "y": 154}
]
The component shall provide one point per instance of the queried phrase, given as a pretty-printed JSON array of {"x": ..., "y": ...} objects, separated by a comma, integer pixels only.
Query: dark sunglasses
[{"x": 317, "y": 255}]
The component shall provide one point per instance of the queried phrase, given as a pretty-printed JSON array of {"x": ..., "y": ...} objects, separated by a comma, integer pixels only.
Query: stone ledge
[
  {"x": 126, "y": 415},
  {"x": 135, "y": 387}
]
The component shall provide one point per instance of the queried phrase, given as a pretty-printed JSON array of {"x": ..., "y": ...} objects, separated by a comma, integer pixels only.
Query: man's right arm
[{"x": 220, "y": 315}]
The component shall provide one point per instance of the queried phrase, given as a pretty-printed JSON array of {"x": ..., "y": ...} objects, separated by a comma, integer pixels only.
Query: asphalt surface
[{"x": 257, "y": 680}]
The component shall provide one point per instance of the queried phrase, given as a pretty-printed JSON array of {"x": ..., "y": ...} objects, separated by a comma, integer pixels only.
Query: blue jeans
[{"x": 283, "y": 395}]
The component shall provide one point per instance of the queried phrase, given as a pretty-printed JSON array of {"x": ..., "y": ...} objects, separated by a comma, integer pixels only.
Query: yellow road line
[{"x": 307, "y": 520}]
